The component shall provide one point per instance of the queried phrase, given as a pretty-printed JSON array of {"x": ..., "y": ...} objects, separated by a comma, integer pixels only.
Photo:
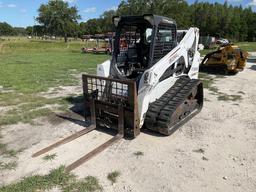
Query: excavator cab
[{"x": 140, "y": 42}]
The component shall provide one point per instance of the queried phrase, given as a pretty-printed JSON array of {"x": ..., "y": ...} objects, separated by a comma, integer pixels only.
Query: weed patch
[
  {"x": 226, "y": 97},
  {"x": 50, "y": 157},
  {"x": 8, "y": 166},
  {"x": 30, "y": 107},
  {"x": 89, "y": 184},
  {"x": 113, "y": 176},
  {"x": 241, "y": 92},
  {"x": 205, "y": 99},
  {"x": 208, "y": 84},
  {"x": 25, "y": 117},
  {"x": 206, "y": 79},
  {"x": 8, "y": 152},
  {"x": 138, "y": 154},
  {"x": 56, "y": 178}
]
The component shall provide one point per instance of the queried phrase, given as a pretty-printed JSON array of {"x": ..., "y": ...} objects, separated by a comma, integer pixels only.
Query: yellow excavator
[{"x": 228, "y": 58}]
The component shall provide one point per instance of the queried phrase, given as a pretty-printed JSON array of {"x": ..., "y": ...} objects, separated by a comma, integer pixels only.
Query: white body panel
[
  {"x": 152, "y": 89},
  {"x": 103, "y": 69}
]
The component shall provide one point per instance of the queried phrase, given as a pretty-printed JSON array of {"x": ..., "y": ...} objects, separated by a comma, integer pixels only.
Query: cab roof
[{"x": 141, "y": 19}]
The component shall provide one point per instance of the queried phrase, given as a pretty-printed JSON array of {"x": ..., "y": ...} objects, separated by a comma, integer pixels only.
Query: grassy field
[
  {"x": 28, "y": 67},
  {"x": 34, "y": 66},
  {"x": 246, "y": 46}
]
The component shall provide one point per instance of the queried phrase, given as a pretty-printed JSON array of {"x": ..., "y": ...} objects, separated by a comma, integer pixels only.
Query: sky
[{"x": 21, "y": 13}]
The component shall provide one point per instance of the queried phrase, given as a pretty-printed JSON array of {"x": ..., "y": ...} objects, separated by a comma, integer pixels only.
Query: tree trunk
[{"x": 66, "y": 38}]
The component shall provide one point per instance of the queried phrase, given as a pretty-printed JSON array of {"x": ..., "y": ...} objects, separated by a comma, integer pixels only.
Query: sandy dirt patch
[
  {"x": 5, "y": 109},
  {"x": 252, "y": 54},
  {"x": 215, "y": 151},
  {"x": 62, "y": 91}
]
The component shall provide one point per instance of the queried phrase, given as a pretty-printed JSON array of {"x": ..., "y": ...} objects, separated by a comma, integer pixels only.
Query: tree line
[
  {"x": 6, "y": 29},
  {"x": 214, "y": 19}
]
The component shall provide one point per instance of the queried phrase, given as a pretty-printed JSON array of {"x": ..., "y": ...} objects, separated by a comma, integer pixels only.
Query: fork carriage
[{"x": 112, "y": 103}]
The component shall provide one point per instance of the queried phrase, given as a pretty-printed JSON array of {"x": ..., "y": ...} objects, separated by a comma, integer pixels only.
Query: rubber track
[{"x": 159, "y": 112}]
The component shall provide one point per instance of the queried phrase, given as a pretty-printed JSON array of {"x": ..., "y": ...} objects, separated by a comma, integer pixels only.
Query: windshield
[{"x": 132, "y": 48}]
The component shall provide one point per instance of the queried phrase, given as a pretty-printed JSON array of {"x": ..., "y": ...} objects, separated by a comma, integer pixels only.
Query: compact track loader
[
  {"x": 151, "y": 81},
  {"x": 228, "y": 58}
]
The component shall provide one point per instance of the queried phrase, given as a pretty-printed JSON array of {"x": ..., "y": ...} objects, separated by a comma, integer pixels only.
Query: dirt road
[{"x": 215, "y": 151}]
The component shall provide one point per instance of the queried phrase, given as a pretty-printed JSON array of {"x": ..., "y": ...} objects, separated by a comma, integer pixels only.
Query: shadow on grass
[
  {"x": 78, "y": 109},
  {"x": 77, "y": 103},
  {"x": 78, "y": 117}
]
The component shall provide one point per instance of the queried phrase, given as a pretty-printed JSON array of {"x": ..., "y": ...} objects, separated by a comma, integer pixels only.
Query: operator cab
[{"x": 140, "y": 42}]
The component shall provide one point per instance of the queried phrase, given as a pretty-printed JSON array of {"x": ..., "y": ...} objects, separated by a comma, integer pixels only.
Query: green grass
[
  {"x": 26, "y": 117},
  {"x": 8, "y": 152},
  {"x": 50, "y": 157},
  {"x": 28, "y": 107},
  {"x": 205, "y": 51},
  {"x": 66, "y": 182},
  {"x": 89, "y": 184},
  {"x": 246, "y": 46},
  {"x": 34, "y": 66},
  {"x": 113, "y": 176},
  {"x": 208, "y": 82},
  {"x": 28, "y": 67},
  {"x": 226, "y": 97},
  {"x": 8, "y": 166}
]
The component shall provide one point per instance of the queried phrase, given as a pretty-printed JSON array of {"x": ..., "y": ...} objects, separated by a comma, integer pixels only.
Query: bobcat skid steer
[{"x": 151, "y": 81}]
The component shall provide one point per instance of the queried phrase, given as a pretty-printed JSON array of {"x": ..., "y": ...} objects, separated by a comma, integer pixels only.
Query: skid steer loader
[{"x": 151, "y": 81}]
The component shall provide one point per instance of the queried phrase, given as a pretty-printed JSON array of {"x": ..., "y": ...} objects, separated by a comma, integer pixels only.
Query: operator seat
[{"x": 143, "y": 53}]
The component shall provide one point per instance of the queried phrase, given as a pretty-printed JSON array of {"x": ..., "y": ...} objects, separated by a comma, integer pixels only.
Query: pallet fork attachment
[
  {"x": 104, "y": 101},
  {"x": 102, "y": 147},
  {"x": 65, "y": 140}
]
